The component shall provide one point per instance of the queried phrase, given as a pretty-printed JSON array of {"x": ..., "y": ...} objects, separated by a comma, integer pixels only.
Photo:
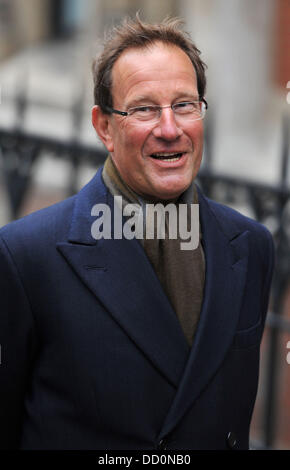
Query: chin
[
  {"x": 169, "y": 193},
  {"x": 173, "y": 190}
]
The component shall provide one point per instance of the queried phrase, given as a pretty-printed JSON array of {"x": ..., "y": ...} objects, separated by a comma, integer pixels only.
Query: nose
[{"x": 167, "y": 128}]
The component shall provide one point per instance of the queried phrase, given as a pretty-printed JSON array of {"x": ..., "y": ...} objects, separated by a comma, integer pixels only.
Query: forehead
[{"x": 155, "y": 70}]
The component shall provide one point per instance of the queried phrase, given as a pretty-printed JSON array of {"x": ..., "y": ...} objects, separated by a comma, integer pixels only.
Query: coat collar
[
  {"x": 92, "y": 193},
  {"x": 137, "y": 295}
]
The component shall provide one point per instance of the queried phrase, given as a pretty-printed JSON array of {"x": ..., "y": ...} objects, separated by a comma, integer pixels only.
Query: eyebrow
[{"x": 139, "y": 100}]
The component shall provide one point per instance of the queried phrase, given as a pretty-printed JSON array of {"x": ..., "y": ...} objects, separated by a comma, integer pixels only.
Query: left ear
[{"x": 102, "y": 126}]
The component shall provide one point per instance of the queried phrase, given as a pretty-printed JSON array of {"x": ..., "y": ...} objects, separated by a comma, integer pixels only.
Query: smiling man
[
  {"x": 121, "y": 342},
  {"x": 159, "y": 157}
]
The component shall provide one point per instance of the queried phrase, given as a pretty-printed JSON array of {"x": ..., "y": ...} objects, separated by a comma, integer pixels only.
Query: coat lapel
[
  {"x": 226, "y": 253},
  {"x": 120, "y": 275}
]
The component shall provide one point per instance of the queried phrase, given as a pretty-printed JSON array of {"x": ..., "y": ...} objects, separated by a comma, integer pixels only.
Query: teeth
[
  {"x": 170, "y": 159},
  {"x": 166, "y": 154},
  {"x": 167, "y": 157}
]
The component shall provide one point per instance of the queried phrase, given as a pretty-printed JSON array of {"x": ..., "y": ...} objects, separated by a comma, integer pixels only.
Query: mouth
[{"x": 168, "y": 156}]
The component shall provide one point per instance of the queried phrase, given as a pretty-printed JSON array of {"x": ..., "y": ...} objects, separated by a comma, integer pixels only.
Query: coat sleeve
[{"x": 18, "y": 344}]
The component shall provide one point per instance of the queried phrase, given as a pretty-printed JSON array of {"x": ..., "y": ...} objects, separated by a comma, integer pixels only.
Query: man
[{"x": 125, "y": 343}]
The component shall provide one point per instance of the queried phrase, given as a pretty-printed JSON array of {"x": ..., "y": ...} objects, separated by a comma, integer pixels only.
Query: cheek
[
  {"x": 135, "y": 139},
  {"x": 199, "y": 132},
  {"x": 195, "y": 131}
]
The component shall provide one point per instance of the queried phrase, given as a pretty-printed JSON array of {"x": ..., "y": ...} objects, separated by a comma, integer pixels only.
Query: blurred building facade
[
  {"x": 46, "y": 49},
  {"x": 245, "y": 44}
]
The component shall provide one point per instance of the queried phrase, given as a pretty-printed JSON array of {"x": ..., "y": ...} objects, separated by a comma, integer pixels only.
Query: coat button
[
  {"x": 231, "y": 440},
  {"x": 162, "y": 444}
]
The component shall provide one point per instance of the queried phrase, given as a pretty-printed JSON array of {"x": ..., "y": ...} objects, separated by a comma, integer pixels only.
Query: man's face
[{"x": 161, "y": 75}]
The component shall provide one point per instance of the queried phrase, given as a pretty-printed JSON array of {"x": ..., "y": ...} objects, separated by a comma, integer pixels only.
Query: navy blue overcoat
[{"x": 92, "y": 353}]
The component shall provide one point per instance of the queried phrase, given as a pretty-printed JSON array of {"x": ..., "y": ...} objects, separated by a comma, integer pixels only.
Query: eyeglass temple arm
[{"x": 116, "y": 111}]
